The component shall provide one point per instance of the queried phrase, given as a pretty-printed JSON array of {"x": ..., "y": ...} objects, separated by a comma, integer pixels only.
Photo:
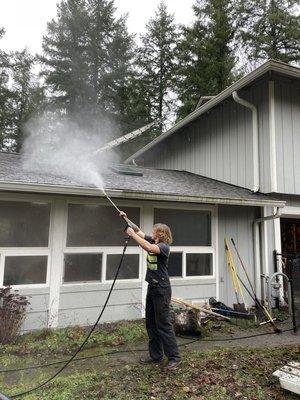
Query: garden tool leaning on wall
[
  {"x": 236, "y": 283},
  {"x": 253, "y": 294}
]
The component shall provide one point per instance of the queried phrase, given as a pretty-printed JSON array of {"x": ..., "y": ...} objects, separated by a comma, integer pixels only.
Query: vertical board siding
[
  {"x": 287, "y": 131},
  {"x": 235, "y": 222},
  {"x": 222, "y": 146}
]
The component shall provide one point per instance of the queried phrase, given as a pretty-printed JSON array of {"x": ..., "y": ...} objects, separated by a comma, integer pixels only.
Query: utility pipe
[
  {"x": 253, "y": 108},
  {"x": 257, "y": 264}
]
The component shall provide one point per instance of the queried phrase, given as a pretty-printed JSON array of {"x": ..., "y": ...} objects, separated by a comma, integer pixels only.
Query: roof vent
[{"x": 126, "y": 170}]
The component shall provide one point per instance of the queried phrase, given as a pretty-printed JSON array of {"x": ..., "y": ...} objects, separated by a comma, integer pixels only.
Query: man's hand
[
  {"x": 130, "y": 232},
  {"x": 122, "y": 214}
]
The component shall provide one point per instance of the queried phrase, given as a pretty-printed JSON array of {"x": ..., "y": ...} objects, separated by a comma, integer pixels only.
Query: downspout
[
  {"x": 253, "y": 108},
  {"x": 257, "y": 260}
]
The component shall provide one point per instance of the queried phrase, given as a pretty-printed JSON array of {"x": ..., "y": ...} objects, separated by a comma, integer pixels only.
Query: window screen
[
  {"x": 25, "y": 270},
  {"x": 188, "y": 227},
  {"x": 94, "y": 225},
  {"x": 128, "y": 270},
  {"x": 24, "y": 224},
  {"x": 198, "y": 264},
  {"x": 83, "y": 267},
  {"x": 175, "y": 264}
]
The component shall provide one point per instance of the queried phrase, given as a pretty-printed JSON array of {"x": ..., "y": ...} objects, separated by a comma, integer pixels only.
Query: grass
[{"x": 218, "y": 374}]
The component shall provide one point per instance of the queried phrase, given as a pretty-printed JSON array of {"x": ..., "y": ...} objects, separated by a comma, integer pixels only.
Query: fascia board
[
  {"x": 80, "y": 191},
  {"x": 270, "y": 65}
]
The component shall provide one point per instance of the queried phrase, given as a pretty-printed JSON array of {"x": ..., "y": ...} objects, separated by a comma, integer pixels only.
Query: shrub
[{"x": 12, "y": 313}]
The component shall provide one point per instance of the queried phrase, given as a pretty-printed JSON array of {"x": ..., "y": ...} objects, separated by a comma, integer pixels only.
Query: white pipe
[
  {"x": 257, "y": 261},
  {"x": 253, "y": 108}
]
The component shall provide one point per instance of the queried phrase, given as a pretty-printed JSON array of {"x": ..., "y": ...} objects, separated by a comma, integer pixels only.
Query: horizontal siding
[
  {"x": 219, "y": 143},
  {"x": 37, "y": 312},
  {"x": 235, "y": 222},
  {"x": 88, "y": 316},
  {"x": 195, "y": 290},
  {"x": 83, "y": 307},
  {"x": 287, "y": 132}
]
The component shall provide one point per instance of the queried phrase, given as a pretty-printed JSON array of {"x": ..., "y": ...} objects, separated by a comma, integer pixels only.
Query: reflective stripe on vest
[{"x": 152, "y": 262}]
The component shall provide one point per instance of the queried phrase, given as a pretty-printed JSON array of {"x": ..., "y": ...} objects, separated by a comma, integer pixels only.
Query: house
[{"x": 215, "y": 174}]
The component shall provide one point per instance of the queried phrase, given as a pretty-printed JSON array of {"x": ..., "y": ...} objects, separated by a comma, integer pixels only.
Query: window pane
[
  {"x": 128, "y": 270},
  {"x": 198, "y": 264},
  {"x": 82, "y": 267},
  {"x": 189, "y": 227},
  {"x": 24, "y": 224},
  {"x": 94, "y": 225},
  {"x": 25, "y": 270},
  {"x": 175, "y": 264}
]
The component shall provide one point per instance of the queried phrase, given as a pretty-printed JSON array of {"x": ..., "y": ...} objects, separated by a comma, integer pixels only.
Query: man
[{"x": 158, "y": 324}]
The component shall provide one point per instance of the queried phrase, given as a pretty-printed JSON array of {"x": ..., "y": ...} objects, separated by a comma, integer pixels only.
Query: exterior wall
[
  {"x": 287, "y": 134},
  {"x": 58, "y": 304},
  {"x": 235, "y": 222},
  {"x": 219, "y": 144},
  {"x": 81, "y": 304}
]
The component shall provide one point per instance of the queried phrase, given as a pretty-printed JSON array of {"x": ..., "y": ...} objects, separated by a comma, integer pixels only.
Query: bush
[{"x": 12, "y": 313}]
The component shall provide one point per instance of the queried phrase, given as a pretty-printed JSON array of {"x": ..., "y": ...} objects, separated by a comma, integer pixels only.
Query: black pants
[{"x": 159, "y": 327}]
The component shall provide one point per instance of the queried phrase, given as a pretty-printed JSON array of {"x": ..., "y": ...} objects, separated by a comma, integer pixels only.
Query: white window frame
[
  {"x": 104, "y": 250},
  {"x": 196, "y": 249},
  {"x": 28, "y": 251}
]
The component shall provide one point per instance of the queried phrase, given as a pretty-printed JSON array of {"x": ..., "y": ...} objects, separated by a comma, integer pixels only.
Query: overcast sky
[{"x": 25, "y": 21}]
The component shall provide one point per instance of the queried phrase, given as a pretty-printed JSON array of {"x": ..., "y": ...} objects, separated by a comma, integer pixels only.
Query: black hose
[{"x": 88, "y": 336}]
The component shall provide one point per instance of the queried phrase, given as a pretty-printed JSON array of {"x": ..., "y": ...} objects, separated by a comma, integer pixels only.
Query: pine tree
[
  {"x": 157, "y": 63},
  {"x": 65, "y": 56},
  {"x": 270, "y": 29},
  {"x": 20, "y": 96},
  {"x": 87, "y": 58},
  {"x": 27, "y": 96},
  {"x": 206, "y": 55}
]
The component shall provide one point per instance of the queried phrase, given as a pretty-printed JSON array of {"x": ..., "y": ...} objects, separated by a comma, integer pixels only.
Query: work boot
[
  {"x": 149, "y": 360},
  {"x": 173, "y": 365}
]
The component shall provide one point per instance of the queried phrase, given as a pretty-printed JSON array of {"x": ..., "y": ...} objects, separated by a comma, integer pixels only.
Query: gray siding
[
  {"x": 287, "y": 130},
  {"x": 81, "y": 305},
  {"x": 195, "y": 290},
  {"x": 235, "y": 222},
  {"x": 219, "y": 144},
  {"x": 38, "y": 309}
]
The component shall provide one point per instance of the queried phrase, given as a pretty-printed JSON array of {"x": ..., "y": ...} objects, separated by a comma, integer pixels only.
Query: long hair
[{"x": 163, "y": 233}]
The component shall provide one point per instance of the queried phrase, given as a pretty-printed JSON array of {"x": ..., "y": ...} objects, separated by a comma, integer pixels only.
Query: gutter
[
  {"x": 271, "y": 65},
  {"x": 128, "y": 194},
  {"x": 253, "y": 108},
  {"x": 257, "y": 257}
]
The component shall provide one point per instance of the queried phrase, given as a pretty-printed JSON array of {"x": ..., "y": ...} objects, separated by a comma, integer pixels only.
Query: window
[
  {"x": 192, "y": 251},
  {"x": 189, "y": 227},
  {"x": 82, "y": 267},
  {"x": 96, "y": 225},
  {"x": 24, "y": 270},
  {"x": 128, "y": 270},
  {"x": 95, "y": 240},
  {"x": 198, "y": 264},
  {"x": 175, "y": 264},
  {"x": 24, "y": 224}
]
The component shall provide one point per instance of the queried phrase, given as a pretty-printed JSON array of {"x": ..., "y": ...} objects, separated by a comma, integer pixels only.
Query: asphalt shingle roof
[{"x": 153, "y": 181}]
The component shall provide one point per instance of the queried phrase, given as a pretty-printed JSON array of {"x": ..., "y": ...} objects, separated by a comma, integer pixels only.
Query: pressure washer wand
[
  {"x": 110, "y": 200},
  {"x": 127, "y": 220}
]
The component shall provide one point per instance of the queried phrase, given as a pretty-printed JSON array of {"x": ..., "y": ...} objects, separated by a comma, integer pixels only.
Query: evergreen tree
[
  {"x": 157, "y": 64},
  {"x": 20, "y": 96},
  {"x": 87, "y": 58},
  {"x": 270, "y": 29},
  {"x": 206, "y": 53},
  {"x": 27, "y": 96}
]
